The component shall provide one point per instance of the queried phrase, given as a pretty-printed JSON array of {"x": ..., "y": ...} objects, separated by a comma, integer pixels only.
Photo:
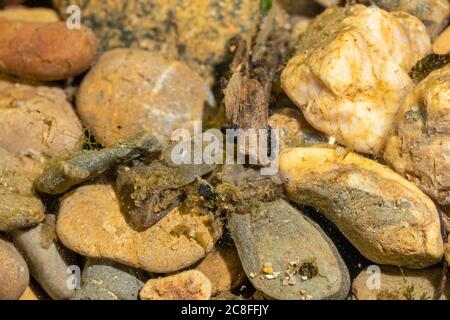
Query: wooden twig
[{"x": 255, "y": 65}]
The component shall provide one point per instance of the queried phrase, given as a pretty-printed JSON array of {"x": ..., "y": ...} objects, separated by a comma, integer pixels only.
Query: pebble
[
  {"x": 433, "y": 13},
  {"x": 14, "y": 274},
  {"x": 419, "y": 146},
  {"x": 187, "y": 285},
  {"x": 283, "y": 252},
  {"x": 37, "y": 123},
  {"x": 107, "y": 280},
  {"x": 29, "y": 14},
  {"x": 294, "y": 131},
  {"x": 47, "y": 259},
  {"x": 29, "y": 294},
  {"x": 348, "y": 84},
  {"x": 196, "y": 32},
  {"x": 45, "y": 51},
  {"x": 398, "y": 284},
  {"x": 386, "y": 217},
  {"x": 442, "y": 44},
  {"x": 223, "y": 268},
  {"x": 130, "y": 91},
  {"x": 91, "y": 223},
  {"x": 19, "y": 206}
]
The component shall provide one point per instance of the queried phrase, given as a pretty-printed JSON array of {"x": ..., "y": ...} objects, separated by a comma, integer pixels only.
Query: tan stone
[
  {"x": 14, "y": 275},
  {"x": 187, "y": 285},
  {"x": 419, "y": 145},
  {"x": 36, "y": 123},
  {"x": 442, "y": 44},
  {"x": 386, "y": 217},
  {"x": 29, "y": 294},
  {"x": 19, "y": 206},
  {"x": 30, "y": 14},
  {"x": 130, "y": 91},
  {"x": 223, "y": 268},
  {"x": 294, "y": 131},
  {"x": 91, "y": 223},
  {"x": 398, "y": 284}
]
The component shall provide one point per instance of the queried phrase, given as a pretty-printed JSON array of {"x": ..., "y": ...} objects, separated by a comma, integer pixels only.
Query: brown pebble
[
  {"x": 442, "y": 44},
  {"x": 14, "y": 274},
  {"x": 45, "y": 51},
  {"x": 187, "y": 285},
  {"x": 223, "y": 268}
]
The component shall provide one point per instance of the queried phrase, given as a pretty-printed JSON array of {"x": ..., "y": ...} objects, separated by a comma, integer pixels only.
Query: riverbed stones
[
  {"x": 14, "y": 274},
  {"x": 294, "y": 131},
  {"x": 103, "y": 279},
  {"x": 393, "y": 283},
  {"x": 47, "y": 259},
  {"x": 187, "y": 285},
  {"x": 196, "y": 32},
  {"x": 287, "y": 256},
  {"x": 419, "y": 146},
  {"x": 223, "y": 268},
  {"x": 91, "y": 223},
  {"x": 386, "y": 217},
  {"x": 19, "y": 206},
  {"x": 129, "y": 91},
  {"x": 37, "y": 123},
  {"x": 349, "y": 74}
]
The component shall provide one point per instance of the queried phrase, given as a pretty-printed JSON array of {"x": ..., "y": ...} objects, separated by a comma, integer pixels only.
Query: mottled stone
[
  {"x": 386, "y": 217},
  {"x": 397, "y": 284},
  {"x": 19, "y": 206},
  {"x": 294, "y": 131},
  {"x": 91, "y": 223},
  {"x": 223, "y": 268},
  {"x": 287, "y": 256},
  {"x": 107, "y": 280},
  {"x": 14, "y": 274},
  {"x": 187, "y": 285},
  {"x": 419, "y": 145},
  {"x": 36, "y": 123},
  {"x": 47, "y": 259}
]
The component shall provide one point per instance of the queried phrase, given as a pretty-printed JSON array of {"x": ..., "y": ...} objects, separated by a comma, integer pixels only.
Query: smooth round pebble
[
  {"x": 47, "y": 258},
  {"x": 287, "y": 256},
  {"x": 130, "y": 91},
  {"x": 106, "y": 280},
  {"x": 14, "y": 274},
  {"x": 91, "y": 223},
  {"x": 223, "y": 268},
  {"x": 187, "y": 285}
]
